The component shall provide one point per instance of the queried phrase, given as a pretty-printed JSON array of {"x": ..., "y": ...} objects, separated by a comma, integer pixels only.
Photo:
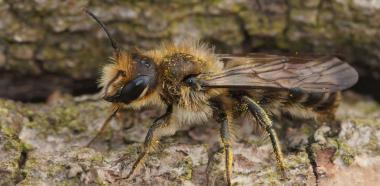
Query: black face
[{"x": 144, "y": 79}]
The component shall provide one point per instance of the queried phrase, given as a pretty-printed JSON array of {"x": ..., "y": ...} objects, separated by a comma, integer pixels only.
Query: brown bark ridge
[{"x": 55, "y": 44}]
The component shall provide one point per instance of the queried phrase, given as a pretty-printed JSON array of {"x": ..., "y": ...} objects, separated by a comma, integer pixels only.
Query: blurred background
[{"x": 49, "y": 46}]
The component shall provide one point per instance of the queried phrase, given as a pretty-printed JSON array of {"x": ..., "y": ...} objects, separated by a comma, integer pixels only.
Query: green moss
[
  {"x": 365, "y": 107},
  {"x": 12, "y": 142},
  {"x": 373, "y": 144},
  {"x": 14, "y": 150},
  {"x": 345, "y": 152},
  {"x": 54, "y": 169},
  {"x": 69, "y": 117},
  {"x": 295, "y": 161},
  {"x": 51, "y": 168},
  {"x": 259, "y": 24},
  {"x": 163, "y": 154},
  {"x": 132, "y": 149},
  {"x": 86, "y": 154},
  {"x": 348, "y": 159},
  {"x": 57, "y": 119},
  {"x": 6, "y": 105},
  {"x": 188, "y": 167},
  {"x": 98, "y": 157},
  {"x": 365, "y": 122},
  {"x": 99, "y": 182},
  {"x": 271, "y": 176}
]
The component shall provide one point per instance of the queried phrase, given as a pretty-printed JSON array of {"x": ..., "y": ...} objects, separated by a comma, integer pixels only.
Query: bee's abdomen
[
  {"x": 296, "y": 103},
  {"x": 319, "y": 102}
]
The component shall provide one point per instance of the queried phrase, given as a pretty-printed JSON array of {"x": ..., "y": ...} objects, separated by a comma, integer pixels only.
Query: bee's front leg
[
  {"x": 103, "y": 127},
  {"x": 159, "y": 124},
  {"x": 263, "y": 119},
  {"x": 222, "y": 117}
]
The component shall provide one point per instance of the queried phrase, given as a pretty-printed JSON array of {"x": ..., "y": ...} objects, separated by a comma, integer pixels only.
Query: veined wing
[{"x": 310, "y": 74}]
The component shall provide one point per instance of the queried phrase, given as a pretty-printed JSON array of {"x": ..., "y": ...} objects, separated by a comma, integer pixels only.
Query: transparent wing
[{"x": 310, "y": 74}]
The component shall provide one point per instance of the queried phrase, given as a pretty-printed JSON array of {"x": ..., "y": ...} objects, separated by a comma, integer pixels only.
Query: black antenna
[{"x": 113, "y": 43}]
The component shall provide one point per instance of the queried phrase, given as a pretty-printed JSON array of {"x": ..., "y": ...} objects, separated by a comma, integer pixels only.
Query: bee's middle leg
[
  {"x": 225, "y": 135},
  {"x": 151, "y": 138},
  {"x": 263, "y": 119},
  {"x": 222, "y": 118}
]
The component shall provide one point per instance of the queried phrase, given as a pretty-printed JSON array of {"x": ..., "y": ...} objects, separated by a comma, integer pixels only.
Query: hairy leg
[
  {"x": 263, "y": 120},
  {"x": 222, "y": 117},
  {"x": 159, "y": 124}
]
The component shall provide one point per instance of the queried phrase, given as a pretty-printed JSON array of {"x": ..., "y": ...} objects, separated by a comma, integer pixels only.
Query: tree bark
[{"x": 44, "y": 145}]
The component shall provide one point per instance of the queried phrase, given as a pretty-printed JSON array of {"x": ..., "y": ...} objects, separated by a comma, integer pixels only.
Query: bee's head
[{"x": 130, "y": 78}]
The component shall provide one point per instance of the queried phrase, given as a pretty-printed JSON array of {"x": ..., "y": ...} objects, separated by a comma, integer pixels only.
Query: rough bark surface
[
  {"x": 43, "y": 145},
  {"x": 52, "y": 45}
]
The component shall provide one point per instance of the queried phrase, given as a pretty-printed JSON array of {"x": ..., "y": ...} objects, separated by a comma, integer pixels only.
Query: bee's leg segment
[
  {"x": 103, "y": 127},
  {"x": 222, "y": 118},
  {"x": 151, "y": 138},
  {"x": 225, "y": 135},
  {"x": 263, "y": 120}
]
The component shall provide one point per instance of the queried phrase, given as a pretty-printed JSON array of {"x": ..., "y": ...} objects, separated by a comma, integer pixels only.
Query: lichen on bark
[{"x": 43, "y": 144}]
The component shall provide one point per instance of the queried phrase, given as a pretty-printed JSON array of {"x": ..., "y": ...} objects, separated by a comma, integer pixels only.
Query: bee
[{"x": 196, "y": 85}]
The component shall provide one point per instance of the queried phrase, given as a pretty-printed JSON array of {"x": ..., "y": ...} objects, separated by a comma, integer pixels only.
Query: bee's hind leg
[
  {"x": 222, "y": 117},
  {"x": 263, "y": 119},
  {"x": 151, "y": 138}
]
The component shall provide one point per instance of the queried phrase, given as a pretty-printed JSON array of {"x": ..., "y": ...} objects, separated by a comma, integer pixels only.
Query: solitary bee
[{"x": 196, "y": 85}]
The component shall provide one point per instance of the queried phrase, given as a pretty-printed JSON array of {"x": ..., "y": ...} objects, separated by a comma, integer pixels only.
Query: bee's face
[{"x": 133, "y": 77}]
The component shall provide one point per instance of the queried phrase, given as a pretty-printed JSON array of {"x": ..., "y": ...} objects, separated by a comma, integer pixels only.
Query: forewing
[{"x": 310, "y": 74}]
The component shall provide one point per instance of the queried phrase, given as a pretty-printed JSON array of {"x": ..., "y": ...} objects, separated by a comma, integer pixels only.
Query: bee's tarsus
[{"x": 221, "y": 117}]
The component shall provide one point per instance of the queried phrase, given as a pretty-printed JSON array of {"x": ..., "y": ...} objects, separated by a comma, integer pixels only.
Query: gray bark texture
[
  {"x": 42, "y": 144},
  {"x": 48, "y": 45}
]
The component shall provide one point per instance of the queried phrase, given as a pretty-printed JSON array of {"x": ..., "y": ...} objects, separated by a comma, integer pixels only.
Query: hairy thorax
[{"x": 190, "y": 106}]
